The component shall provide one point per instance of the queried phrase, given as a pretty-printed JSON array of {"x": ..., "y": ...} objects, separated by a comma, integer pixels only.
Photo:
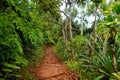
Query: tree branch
[{"x": 64, "y": 14}]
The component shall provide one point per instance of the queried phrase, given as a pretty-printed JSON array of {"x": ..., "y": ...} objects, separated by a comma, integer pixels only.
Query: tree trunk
[
  {"x": 95, "y": 23},
  {"x": 65, "y": 35},
  {"x": 72, "y": 42},
  {"x": 81, "y": 27},
  {"x": 71, "y": 34}
]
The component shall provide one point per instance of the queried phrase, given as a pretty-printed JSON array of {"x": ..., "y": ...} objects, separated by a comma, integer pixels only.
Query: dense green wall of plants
[{"x": 22, "y": 25}]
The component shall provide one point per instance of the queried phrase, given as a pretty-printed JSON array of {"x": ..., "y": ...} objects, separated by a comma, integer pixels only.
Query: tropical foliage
[
  {"x": 86, "y": 35},
  {"x": 96, "y": 50},
  {"x": 22, "y": 25}
]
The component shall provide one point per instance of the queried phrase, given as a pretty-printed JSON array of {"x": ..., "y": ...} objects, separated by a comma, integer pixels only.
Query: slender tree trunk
[
  {"x": 81, "y": 27},
  {"x": 66, "y": 25},
  {"x": 65, "y": 35},
  {"x": 72, "y": 42},
  {"x": 71, "y": 34},
  {"x": 95, "y": 23}
]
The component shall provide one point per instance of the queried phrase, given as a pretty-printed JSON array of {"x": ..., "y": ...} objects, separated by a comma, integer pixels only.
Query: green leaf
[
  {"x": 118, "y": 22},
  {"x": 4, "y": 44},
  {"x": 102, "y": 71},
  {"x": 116, "y": 7},
  {"x": 7, "y": 70},
  {"x": 15, "y": 75},
  {"x": 117, "y": 75},
  {"x": 99, "y": 78},
  {"x": 21, "y": 61},
  {"x": 1, "y": 74},
  {"x": 110, "y": 18},
  {"x": 10, "y": 65},
  {"x": 2, "y": 79},
  {"x": 109, "y": 23},
  {"x": 11, "y": 2}
]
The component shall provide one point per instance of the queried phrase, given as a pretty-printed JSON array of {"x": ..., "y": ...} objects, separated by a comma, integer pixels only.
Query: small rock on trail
[{"x": 52, "y": 68}]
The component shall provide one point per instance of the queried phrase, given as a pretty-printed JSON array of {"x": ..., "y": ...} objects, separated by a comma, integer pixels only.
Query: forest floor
[{"x": 52, "y": 68}]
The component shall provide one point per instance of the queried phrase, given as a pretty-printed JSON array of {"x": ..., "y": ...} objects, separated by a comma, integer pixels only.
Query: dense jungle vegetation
[{"x": 85, "y": 35}]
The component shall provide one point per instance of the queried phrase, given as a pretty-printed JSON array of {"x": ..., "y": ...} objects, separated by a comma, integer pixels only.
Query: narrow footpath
[{"x": 52, "y": 68}]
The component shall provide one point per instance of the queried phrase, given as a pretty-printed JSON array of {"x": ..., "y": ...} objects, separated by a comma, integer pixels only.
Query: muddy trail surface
[{"x": 51, "y": 68}]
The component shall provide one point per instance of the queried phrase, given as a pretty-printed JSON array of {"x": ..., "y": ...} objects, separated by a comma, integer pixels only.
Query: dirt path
[{"x": 52, "y": 69}]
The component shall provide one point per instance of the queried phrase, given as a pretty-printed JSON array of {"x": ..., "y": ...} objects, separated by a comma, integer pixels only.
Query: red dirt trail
[{"x": 52, "y": 68}]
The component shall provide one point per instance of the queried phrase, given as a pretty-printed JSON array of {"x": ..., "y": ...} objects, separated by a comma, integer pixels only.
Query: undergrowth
[{"x": 33, "y": 61}]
